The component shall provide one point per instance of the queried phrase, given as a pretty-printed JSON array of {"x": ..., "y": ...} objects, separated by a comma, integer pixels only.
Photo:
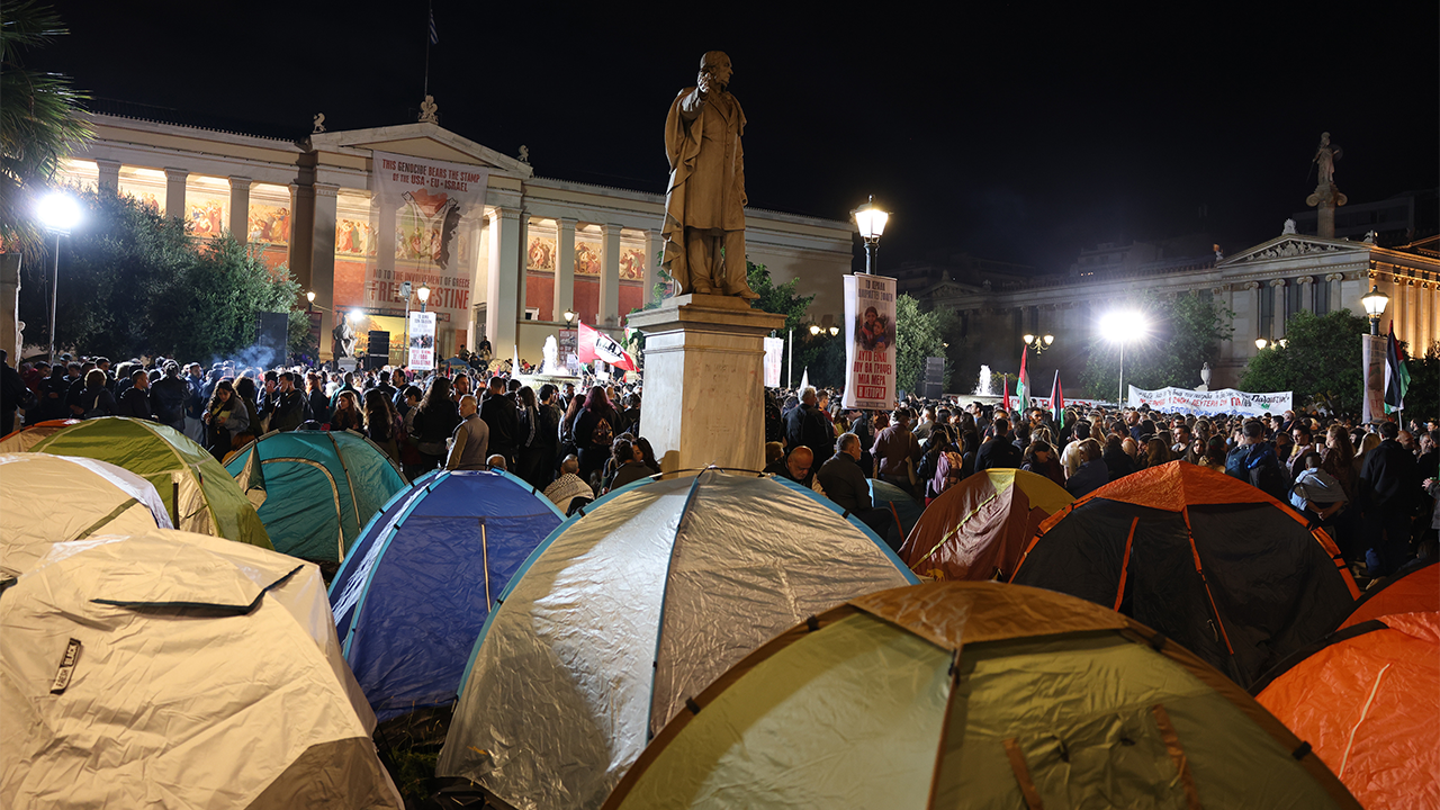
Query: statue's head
[
  {"x": 717, "y": 65},
  {"x": 1324, "y": 138}
]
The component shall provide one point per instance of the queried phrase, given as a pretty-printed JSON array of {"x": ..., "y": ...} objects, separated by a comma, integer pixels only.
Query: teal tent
[{"x": 316, "y": 489}]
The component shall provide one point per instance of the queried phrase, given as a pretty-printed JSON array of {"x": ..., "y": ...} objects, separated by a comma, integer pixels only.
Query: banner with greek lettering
[
  {"x": 869, "y": 342},
  {"x": 1211, "y": 403},
  {"x": 426, "y": 217},
  {"x": 422, "y": 341},
  {"x": 774, "y": 354}
]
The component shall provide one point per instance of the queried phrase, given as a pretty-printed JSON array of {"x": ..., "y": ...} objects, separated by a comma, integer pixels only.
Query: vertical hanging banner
[
  {"x": 1372, "y": 360},
  {"x": 435, "y": 210},
  {"x": 869, "y": 342},
  {"x": 422, "y": 340},
  {"x": 774, "y": 354}
]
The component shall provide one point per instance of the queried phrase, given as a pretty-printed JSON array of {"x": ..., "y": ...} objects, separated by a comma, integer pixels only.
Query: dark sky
[{"x": 1013, "y": 131}]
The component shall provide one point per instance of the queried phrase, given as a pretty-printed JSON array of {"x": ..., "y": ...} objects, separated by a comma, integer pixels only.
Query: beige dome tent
[
  {"x": 179, "y": 670},
  {"x": 49, "y": 499},
  {"x": 975, "y": 695}
]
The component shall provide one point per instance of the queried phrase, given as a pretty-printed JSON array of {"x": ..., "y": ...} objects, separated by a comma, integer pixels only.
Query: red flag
[
  {"x": 1057, "y": 402},
  {"x": 1022, "y": 383},
  {"x": 1005, "y": 403},
  {"x": 596, "y": 345}
]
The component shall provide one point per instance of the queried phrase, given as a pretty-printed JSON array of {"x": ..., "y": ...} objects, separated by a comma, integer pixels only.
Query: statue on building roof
[
  {"x": 1325, "y": 155},
  {"x": 319, "y": 124},
  {"x": 524, "y": 154},
  {"x": 428, "y": 108},
  {"x": 704, "y": 227},
  {"x": 1289, "y": 227}
]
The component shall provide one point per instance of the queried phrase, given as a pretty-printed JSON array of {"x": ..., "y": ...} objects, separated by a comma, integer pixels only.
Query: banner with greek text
[
  {"x": 1372, "y": 360},
  {"x": 869, "y": 342},
  {"x": 1211, "y": 403},
  {"x": 422, "y": 341},
  {"x": 774, "y": 355},
  {"x": 428, "y": 216}
]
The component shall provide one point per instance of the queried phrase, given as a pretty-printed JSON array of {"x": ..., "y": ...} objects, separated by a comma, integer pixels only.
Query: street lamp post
[
  {"x": 1039, "y": 343},
  {"x": 310, "y": 301},
  {"x": 1374, "y": 304},
  {"x": 569, "y": 318},
  {"x": 870, "y": 219},
  {"x": 1122, "y": 327},
  {"x": 424, "y": 295},
  {"x": 59, "y": 213}
]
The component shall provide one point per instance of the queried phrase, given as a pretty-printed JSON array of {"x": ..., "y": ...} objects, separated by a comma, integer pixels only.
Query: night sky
[{"x": 1010, "y": 131}]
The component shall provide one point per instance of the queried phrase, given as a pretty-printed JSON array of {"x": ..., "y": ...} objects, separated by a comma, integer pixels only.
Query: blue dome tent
[{"x": 412, "y": 595}]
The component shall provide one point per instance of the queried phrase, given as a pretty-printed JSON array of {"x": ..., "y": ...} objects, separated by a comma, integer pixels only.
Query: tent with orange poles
[
  {"x": 977, "y": 528},
  {"x": 1411, "y": 590},
  {"x": 1208, "y": 560},
  {"x": 27, "y": 437},
  {"x": 1368, "y": 701}
]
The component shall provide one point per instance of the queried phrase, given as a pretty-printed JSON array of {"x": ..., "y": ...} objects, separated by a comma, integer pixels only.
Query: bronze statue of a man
[{"x": 705, "y": 201}]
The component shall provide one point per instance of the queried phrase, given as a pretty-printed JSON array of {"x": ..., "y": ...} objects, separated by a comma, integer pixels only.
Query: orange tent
[
  {"x": 27, "y": 437},
  {"x": 1368, "y": 702},
  {"x": 976, "y": 529},
  {"x": 1411, "y": 591},
  {"x": 1208, "y": 560}
]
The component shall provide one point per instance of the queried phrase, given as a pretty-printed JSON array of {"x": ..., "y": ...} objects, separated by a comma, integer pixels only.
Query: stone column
[
  {"x": 1258, "y": 300},
  {"x": 240, "y": 208},
  {"x": 502, "y": 299},
  {"x": 704, "y": 381},
  {"x": 1334, "y": 280},
  {"x": 564, "y": 267},
  {"x": 10, "y": 337},
  {"x": 654, "y": 243},
  {"x": 109, "y": 175},
  {"x": 322, "y": 261},
  {"x": 1307, "y": 293},
  {"x": 609, "y": 314},
  {"x": 175, "y": 192},
  {"x": 1280, "y": 310},
  {"x": 523, "y": 285}
]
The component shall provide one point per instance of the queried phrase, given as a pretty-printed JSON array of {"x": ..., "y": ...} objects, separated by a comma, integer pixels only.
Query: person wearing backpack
[
  {"x": 594, "y": 431},
  {"x": 1259, "y": 466},
  {"x": 95, "y": 399}
]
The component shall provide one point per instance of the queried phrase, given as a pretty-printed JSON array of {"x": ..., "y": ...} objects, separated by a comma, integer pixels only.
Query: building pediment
[
  {"x": 951, "y": 289},
  {"x": 1290, "y": 246},
  {"x": 425, "y": 140}
]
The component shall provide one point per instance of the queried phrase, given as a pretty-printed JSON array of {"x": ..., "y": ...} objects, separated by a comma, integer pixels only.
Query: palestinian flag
[
  {"x": 1057, "y": 403},
  {"x": 1397, "y": 378}
]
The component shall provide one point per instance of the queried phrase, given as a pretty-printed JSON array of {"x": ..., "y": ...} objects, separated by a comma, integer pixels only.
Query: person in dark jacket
[
  {"x": 1117, "y": 461},
  {"x": 1092, "y": 474},
  {"x": 1388, "y": 494},
  {"x": 500, "y": 414},
  {"x": 13, "y": 394},
  {"x": 435, "y": 420},
  {"x": 999, "y": 451},
  {"x": 135, "y": 402},
  {"x": 290, "y": 408},
  {"x": 846, "y": 485},
  {"x": 595, "y": 420},
  {"x": 806, "y": 426},
  {"x": 95, "y": 400}
]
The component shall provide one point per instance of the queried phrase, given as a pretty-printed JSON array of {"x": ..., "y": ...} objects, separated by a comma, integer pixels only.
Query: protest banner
[
  {"x": 1226, "y": 401},
  {"x": 869, "y": 342}
]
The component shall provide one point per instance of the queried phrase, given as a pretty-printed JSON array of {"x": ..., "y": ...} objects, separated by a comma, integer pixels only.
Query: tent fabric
[
  {"x": 198, "y": 494},
  {"x": 1411, "y": 590},
  {"x": 884, "y": 495},
  {"x": 411, "y": 597},
  {"x": 201, "y": 673},
  {"x": 624, "y": 613},
  {"x": 1241, "y": 583},
  {"x": 977, "y": 529},
  {"x": 1368, "y": 701},
  {"x": 50, "y": 499},
  {"x": 321, "y": 488},
  {"x": 974, "y": 694},
  {"x": 26, "y": 438}
]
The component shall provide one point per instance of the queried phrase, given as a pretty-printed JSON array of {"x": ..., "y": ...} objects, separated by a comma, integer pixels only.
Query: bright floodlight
[
  {"x": 1123, "y": 326},
  {"x": 870, "y": 219},
  {"x": 355, "y": 315},
  {"x": 58, "y": 211}
]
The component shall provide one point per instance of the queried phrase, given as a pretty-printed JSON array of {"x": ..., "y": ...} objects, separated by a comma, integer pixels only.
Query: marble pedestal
[{"x": 705, "y": 381}]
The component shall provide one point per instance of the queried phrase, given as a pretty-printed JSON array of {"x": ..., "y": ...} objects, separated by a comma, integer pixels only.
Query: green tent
[
  {"x": 975, "y": 695},
  {"x": 198, "y": 494},
  {"x": 319, "y": 487}
]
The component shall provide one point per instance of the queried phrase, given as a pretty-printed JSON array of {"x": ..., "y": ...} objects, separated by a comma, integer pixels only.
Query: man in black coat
[
  {"x": 291, "y": 407},
  {"x": 1000, "y": 450},
  {"x": 846, "y": 485},
  {"x": 1387, "y": 496},
  {"x": 806, "y": 426},
  {"x": 135, "y": 402},
  {"x": 169, "y": 396},
  {"x": 503, "y": 419}
]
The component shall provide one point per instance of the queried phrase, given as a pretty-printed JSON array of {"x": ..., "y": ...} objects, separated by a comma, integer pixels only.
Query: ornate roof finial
[
  {"x": 319, "y": 124},
  {"x": 524, "y": 154},
  {"x": 427, "y": 111}
]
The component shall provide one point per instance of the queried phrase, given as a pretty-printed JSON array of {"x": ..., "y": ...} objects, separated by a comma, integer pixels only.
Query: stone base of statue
[{"x": 705, "y": 381}]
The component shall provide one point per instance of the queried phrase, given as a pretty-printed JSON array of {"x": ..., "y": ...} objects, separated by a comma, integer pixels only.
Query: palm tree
[{"x": 41, "y": 120}]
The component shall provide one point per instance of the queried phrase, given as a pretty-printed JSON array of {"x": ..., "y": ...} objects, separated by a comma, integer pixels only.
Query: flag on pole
[
  {"x": 1057, "y": 403},
  {"x": 1022, "y": 383},
  {"x": 1397, "y": 378},
  {"x": 1005, "y": 403},
  {"x": 434, "y": 32},
  {"x": 804, "y": 379},
  {"x": 596, "y": 345}
]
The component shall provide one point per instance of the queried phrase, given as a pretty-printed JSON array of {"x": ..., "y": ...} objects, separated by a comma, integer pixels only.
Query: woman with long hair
[
  {"x": 347, "y": 415},
  {"x": 225, "y": 417},
  {"x": 1215, "y": 452},
  {"x": 435, "y": 419},
  {"x": 1157, "y": 452},
  {"x": 528, "y": 441},
  {"x": 594, "y": 431},
  {"x": 647, "y": 454},
  {"x": 382, "y": 423},
  {"x": 1040, "y": 459},
  {"x": 245, "y": 392},
  {"x": 1116, "y": 459},
  {"x": 96, "y": 400}
]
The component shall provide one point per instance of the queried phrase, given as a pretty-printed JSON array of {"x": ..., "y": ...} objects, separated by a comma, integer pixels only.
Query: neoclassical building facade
[{"x": 545, "y": 246}]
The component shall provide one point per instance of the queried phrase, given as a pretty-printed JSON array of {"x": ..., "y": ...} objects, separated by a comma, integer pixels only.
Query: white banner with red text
[{"x": 1226, "y": 401}]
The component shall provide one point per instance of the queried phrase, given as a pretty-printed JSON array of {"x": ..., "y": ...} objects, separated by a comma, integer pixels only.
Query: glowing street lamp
[
  {"x": 310, "y": 301},
  {"x": 1261, "y": 343},
  {"x": 1039, "y": 343},
  {"x": 834, "y": 330},
  {"x": 1123, "y": 326},
  {"x": 814, "y": 329},
  {"x": 569, "y": 317},
  {"x": 424, "y": 295},
  {"x": 59, "y": 213},
  {"x": 1374, "y": 304},
  {"x": 870, "y": 219}
]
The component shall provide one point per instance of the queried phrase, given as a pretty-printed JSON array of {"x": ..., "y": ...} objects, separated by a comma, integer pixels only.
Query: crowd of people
[{"x": 1372, "y": 487}]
